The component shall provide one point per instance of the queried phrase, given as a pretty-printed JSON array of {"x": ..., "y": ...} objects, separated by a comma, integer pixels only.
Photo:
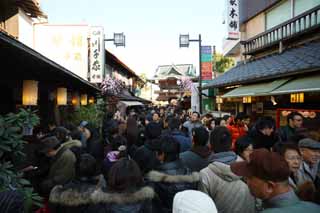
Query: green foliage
[
  {"x": 11, "y": 146},
  {"x": 93, "y": 113},
  {"x": 223, "y": 63}
]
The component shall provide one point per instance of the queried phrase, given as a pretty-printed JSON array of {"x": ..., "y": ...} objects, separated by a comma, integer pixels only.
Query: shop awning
[
  {"x": 131, "y": 103},
  {"x": 304, "y": 84},
  {"x": 260, "y": 89}
]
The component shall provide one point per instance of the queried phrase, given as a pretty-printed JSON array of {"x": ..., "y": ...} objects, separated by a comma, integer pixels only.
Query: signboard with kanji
[
  {"x": 233, "y": 19},
  {"x": 66, "y": 45},
  {"x": 97, "y": 53},
  {"x": 206, "y": 63}
]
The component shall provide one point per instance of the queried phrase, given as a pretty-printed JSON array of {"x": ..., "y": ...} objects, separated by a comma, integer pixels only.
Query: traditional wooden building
[{"x": 279, "y": 70}]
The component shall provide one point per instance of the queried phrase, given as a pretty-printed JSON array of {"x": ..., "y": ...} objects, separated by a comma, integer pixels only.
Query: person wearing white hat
[{"x": 191, "y": 201}]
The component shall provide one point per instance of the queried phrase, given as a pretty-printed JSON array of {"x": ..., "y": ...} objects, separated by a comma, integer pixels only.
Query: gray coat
[
  {"x": 229, "y": 192},
  {"x": 190, "y": 125}
]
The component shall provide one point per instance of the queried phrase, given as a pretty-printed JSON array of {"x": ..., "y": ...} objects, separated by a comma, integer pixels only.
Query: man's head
[
  {"x": 61, "y": 133},
  {"x": 242, "y": 119},
  {"x": 220, "y": 139},
  {"x": 265, "y": 125},
  {"x": 310, "y": 150},
  {"x": 156, "y": 117},
  {"x": 87, "y": 166},
  {"x": 169, "y": 149},
  {"x": 267, "y": 173},
  {"x": 49, "y": 146},
  {"x": 195, "y": 116},
  {"x": 295, "y": 120},
  {"x": 200, "y": 136},
  {"x": 174, "y": 123}
]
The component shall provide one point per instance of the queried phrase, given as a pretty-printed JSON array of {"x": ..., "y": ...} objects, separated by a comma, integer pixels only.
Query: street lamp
[
  {"x": 119, "y": 39},
  {"x": 184, "y": 41}
]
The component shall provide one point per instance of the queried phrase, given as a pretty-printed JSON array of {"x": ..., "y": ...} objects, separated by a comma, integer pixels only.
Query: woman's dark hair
[
  {"x": 61, "y": 133},
  {"x": 265, "y": 122},
  {"x": 288, "y": 146},
  {"x": 170, "y": 147},
  {"x": 124, "y": 175},
  {"x": 242, "y": 143},
  {"x": 208, "y": 123},
  {"x": 132, "y": 132},
  {"x": 87, "y": 166},
  {"x": 220, "y": 139}
]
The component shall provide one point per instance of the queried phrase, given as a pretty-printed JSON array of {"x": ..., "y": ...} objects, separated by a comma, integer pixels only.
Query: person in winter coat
[
  {"x": 244, "y": 147},
  {"x": 62, "y": 164},
  {"x": 94, "y": 144},
  {"x": 197, "y": 158},
  {"x": 263, "y": 133},
  {"x": 267, "y": 176},
  {"x": 145, "y": 156},
  {"x": 183, "y": 140},
  {"x": 171, "y": 176},
  {"x": 230, "y": 193},
  {"x": 239, "y": 128},
  {"x": 294, "y": 122},
  {"x": 75, "y": 196},
  {"x": 194, "y": 122},
  {"x": 11, "y": 202},
  {"x": 125, "y": 191}
]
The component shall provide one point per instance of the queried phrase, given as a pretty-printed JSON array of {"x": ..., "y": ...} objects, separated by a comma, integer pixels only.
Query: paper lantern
[
  {"x": 84, "y": 99},
  {"x": 219, "y": 100},
  {"x": 30, "y": 93},
  {"x": 91, "y": 100},
  {"x": 62, "y": 96},
  {"x": 75, "y": 99}
]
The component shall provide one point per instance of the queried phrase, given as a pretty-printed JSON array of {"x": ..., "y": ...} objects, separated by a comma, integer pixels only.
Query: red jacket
[{"x": 236, "y": 132}]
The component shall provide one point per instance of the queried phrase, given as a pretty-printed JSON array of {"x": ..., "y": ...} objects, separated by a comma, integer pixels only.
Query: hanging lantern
[
  {"x": 91, "y": 100},
  {"x": 84, "y": 99},
  {"x": 30, "y": 92},
  {"x": 62, "y": 96},
  {"x": 75, "y": 99}
]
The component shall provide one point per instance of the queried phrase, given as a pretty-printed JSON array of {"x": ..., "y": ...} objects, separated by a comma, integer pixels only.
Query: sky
[{"x": 152, "y": 28}]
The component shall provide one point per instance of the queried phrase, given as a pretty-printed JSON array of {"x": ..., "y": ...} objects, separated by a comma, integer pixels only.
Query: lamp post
[
  {"x": 184, "y": 41},
  {"x": 119, "y": 39}
]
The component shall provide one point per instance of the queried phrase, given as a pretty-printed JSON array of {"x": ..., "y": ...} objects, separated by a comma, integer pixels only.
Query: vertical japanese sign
[
  {"x": 233, "y": 19},
  {"x": 206, "y": 63},
  {"x": 66, "y": 45},
  {"x": 97, "y": 54}
]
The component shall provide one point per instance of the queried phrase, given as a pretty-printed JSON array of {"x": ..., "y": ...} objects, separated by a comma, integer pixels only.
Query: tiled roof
[
  {"x": 180, "y": 69},
  {"x": 293, "y": 61}
]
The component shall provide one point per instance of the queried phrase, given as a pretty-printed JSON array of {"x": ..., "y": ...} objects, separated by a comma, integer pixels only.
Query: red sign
[{"x": 206, "y": 70}]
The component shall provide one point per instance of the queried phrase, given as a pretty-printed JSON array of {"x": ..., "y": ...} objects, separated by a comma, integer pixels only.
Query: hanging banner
[
  {"x": 66, "y": 45},
  {"x": 233, "y": 19},
  {"x": 206, "y": 63},
  {"x": 97, "y": 55}
]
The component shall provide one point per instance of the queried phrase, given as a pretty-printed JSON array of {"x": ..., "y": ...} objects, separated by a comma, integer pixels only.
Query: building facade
[{"x": 279, "y": 64}]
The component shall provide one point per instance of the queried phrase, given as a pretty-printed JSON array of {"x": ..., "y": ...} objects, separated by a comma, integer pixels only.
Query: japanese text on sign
[
  {"x": 96, "y": 54},
  {"x": 233, "y": 19}
]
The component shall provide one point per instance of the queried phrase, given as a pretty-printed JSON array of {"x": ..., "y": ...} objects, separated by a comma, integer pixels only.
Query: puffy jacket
[
  {"x": 171, "y": 178},
  {"x": 229, "y": 192},
  {"x": 236, "y": 132},
  {"x": 89, "y": 198},
  {"x": 185, "y": 142},
  {"x": 62, "y": 170}
]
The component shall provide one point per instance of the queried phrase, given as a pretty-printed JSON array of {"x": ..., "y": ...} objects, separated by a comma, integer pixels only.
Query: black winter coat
[
  {"x": 84, "y": 197},
  {"x": 263, "y": 141},
  {"x": 171, "y": 178}
]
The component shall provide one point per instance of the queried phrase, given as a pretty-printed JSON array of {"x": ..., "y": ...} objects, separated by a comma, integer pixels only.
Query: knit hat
[{"x": 191, "y": 201}]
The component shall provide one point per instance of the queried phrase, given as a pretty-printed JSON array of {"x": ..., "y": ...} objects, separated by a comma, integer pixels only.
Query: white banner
[
  {"x": 233, "y": 19},
  {"x": 97, "y": 54},
  {"x": 66, "y": 45}
]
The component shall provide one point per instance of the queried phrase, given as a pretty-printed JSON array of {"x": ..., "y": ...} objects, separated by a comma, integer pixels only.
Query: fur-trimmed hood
[
  {"x": 77, "y": 192},
  {"x": 71, "y": 143},
  {"x": 156, "y": 176},
  {"x": 125, "y": 198}
]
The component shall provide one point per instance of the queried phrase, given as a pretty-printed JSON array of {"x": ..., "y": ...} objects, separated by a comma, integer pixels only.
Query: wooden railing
[{"x": 306, "y": 22}]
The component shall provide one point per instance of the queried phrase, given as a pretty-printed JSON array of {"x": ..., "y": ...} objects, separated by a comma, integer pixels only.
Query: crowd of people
[{"x": 169, "y": 160}]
